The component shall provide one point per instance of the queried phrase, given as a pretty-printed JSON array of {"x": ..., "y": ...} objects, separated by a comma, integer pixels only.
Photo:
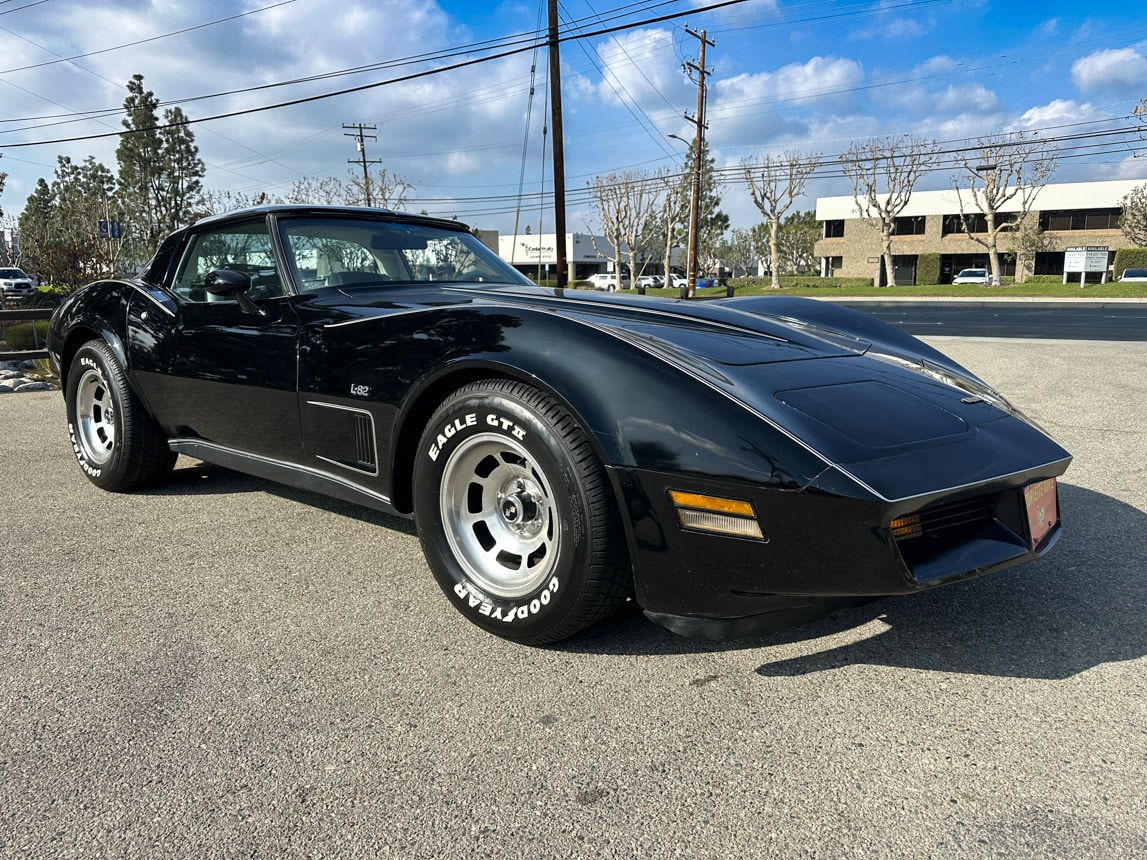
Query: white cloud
[
  {"x": 1122, "y": 70},
  {"x": 820, "y": 80},
  {"x": 969, "y": 98},
  {"x": 1059, "y": 112},
  {"x": 771, "y": 107}
]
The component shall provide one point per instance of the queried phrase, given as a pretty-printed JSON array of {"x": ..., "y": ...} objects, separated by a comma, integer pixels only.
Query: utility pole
[
  {"x": 698, "y": 144},
  {"x": 558, "y": 145},
  {"x": 360, "y": 137}
]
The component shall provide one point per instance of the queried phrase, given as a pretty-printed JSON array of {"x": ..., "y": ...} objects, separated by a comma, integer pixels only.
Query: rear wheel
[
  {"x": 117, "y": 444},
  {"x": 516, "y": 516}
]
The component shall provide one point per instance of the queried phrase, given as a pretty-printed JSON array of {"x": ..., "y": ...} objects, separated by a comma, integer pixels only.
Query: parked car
[
  {"x": 650, "y": 282},
  {"x": 1133, "y": 275},
  {"x": 972, "y": 276},
  {"x": 609, "y": 281},
  {"x": 16, "y": 283},
  {"x": 678, "y": 281},
  {"x": 735, "y": 465}
]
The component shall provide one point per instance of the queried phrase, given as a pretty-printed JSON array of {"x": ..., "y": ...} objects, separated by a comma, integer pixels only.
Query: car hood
[{"x": 884, "y": 408}]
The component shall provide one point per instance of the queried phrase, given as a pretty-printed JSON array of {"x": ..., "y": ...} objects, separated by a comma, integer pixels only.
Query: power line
[{"x": 389, "y": 82}]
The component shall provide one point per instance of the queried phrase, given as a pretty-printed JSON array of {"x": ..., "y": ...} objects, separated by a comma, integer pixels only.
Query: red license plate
[{"x": 1043, "y": 509}]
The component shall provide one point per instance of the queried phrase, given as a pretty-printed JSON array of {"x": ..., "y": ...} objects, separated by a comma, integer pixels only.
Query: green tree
[
  {"x": 739, "y": 252},
  {"x": 59, "y": 227},
  {"x": 160, "y": 172},
  {"x": 796, "y": 241}
]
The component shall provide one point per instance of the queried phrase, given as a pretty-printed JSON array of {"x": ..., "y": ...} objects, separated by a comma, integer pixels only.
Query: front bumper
[{"x": 820, "y": 553}]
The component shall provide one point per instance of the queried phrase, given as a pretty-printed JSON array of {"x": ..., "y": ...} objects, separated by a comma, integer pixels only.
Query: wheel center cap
[{"x": 519, "y": 508}]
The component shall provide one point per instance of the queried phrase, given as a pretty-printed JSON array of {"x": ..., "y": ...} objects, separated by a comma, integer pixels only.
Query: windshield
[
  {"x": 972, "y": 273},
  {"x": 347, "y": 251},
  {"x": 1135, "y": 273},
  {"x": 12, "y": 273}
]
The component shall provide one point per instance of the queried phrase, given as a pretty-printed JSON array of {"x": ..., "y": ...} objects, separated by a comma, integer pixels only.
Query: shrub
[
  {"x": 802, "y": 281},
  {"x": 47, "y": 297},
  {"x": 1130, "y": 258},
  {"x": 24, "y": 335},
  {"x": 928, "y": 269}
]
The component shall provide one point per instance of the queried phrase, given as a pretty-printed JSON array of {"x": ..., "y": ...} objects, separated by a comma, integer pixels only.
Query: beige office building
[{"x": 1072, "y": 214}]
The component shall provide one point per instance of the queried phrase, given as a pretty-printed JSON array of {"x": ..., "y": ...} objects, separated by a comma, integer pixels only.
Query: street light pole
[{"x": 691, "y": 237}]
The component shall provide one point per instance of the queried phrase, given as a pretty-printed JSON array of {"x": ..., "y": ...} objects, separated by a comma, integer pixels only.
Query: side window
[
  {"x": 241, "y": 247},
  {"x": 327, "y": 257}
]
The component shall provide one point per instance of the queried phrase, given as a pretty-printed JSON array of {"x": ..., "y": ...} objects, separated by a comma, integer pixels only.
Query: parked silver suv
[{"x": 15, "y": 283}]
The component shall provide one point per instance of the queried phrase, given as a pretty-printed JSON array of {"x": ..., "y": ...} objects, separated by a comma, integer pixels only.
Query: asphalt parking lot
[{"x": 226, "y": 668}]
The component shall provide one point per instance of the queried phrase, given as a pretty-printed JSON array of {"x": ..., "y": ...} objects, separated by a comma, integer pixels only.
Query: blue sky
[{"x": 787, "y": 76}]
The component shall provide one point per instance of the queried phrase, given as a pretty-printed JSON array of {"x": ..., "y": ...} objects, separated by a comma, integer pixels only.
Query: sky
[{"x": 812, "y": 76}]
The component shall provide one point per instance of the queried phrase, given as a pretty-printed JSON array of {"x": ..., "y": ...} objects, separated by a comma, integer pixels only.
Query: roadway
[
  {"x": 222, "y": 667},
  {"x": 1074, "y": 320}
]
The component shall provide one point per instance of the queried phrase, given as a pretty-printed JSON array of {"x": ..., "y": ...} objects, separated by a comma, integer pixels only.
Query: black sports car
[{"x": 737, "y": 466}]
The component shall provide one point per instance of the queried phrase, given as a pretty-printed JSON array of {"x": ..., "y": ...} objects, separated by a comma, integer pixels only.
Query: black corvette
[{"x": 736, "y": 466}]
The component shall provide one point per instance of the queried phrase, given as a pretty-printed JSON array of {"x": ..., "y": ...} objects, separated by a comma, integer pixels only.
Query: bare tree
[
  {"x": 738, "y": 251},
  {"x": 883, "y": 173},
  {"x": 626, "y": 207},
  {"x": 1133, "y": 219},
  {"x": 672, "y": 215},
  {"x": 327, "y": 191},
  {"x": 1029, "y": 239},
  {"x": 1001, "y": 172},
  {"x": 387, "y": 190},
  {"x": 775, "y": 183}
]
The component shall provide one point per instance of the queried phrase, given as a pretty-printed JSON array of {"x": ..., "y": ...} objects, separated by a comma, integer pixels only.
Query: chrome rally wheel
[
  {"x": 117, "y": 444},
  {"x": 499, "y": 517},
  {"x": 516, "y": 515},
  {"x": 95, "y": 418}
]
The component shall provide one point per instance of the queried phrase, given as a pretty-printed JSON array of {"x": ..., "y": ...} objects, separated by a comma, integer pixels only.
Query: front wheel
[
  {"x": 515, "y": 514},
  {"x": 117, "y": 444}
]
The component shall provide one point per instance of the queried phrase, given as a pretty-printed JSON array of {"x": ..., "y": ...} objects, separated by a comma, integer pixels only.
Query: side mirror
[
  {"x": 226, "y": 282},
  {"x": 232, "y": 284}
]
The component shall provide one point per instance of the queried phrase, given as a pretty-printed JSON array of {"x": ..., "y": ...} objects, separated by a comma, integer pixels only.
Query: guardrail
[{"x": 30, "y": 314}]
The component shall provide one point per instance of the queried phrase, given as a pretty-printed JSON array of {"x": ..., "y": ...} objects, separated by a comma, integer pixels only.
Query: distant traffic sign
[{"x": 110, "y": 229}]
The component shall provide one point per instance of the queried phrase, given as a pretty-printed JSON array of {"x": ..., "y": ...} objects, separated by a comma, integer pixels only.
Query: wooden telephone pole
[
  {"x": 558, "y": 145},
  {"x": 360, "y": 137},
  {"x": 698, "y": 145}
]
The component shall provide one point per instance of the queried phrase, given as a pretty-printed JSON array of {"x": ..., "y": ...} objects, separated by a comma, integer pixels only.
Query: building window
[
  {"x": 1080, "y": 219},
  {"x": 834, "y": 229},
  {"x": 912, "y": 225},
  {"x": 977, "y": 222},
  {"x": 1049, "y": 263},
  {"x": 832, "y": 265}
]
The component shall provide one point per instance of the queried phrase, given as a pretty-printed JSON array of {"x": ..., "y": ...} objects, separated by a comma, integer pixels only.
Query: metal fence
[{"x": 18, "y": 316}]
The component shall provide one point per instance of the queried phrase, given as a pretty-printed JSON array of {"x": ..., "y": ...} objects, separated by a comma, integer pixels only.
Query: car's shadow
[
  {"x": 1079, "y": 607},
  {"x": 205, "y": 479}
]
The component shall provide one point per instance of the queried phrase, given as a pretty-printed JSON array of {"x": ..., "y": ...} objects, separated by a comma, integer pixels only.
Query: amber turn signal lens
[
  {"x": 717, "y": 515},
  {"x": 711, "y": 503},
  {"x": 906, "y": 528}
]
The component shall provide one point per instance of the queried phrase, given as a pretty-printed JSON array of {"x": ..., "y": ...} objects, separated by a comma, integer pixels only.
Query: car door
[{"x": 221, "y": 370}]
